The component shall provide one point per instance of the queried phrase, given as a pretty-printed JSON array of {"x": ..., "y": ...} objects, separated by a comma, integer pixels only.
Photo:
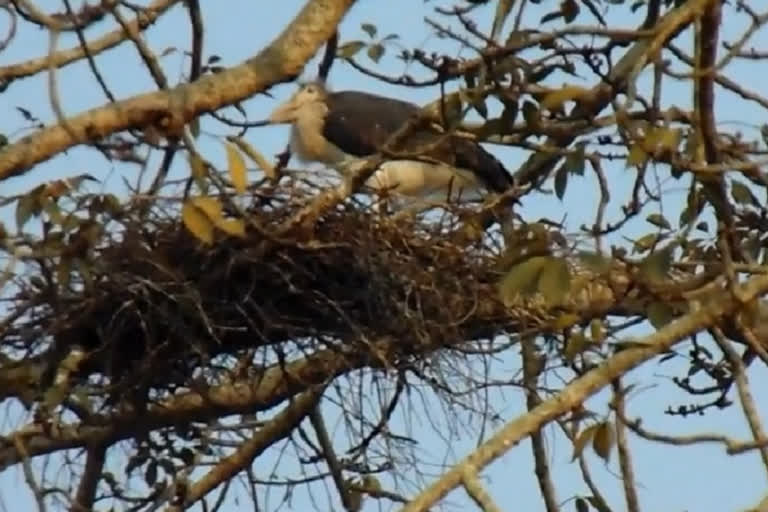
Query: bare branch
[
  {"x": 170, "y": 110},
  {"x": 276, "y": 429},
  {"x": 580, "y": 389},
  {"x": 625, "y": 458},
  {"x": 89, "y": 481},
  {"x": 107, "y": 41}
]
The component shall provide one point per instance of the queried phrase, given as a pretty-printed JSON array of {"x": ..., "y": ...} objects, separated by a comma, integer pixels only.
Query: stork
[{"x": 340, "y": 128}]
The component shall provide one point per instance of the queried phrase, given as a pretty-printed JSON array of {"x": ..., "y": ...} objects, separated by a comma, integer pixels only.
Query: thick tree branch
[
  {"x": 282, "y": 60},
  {"x": 105, "y": 42},
  {"x": 259, "y": 393}
]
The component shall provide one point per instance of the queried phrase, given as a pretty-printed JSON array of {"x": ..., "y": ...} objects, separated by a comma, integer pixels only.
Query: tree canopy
[{"x": 194, "y": 320}]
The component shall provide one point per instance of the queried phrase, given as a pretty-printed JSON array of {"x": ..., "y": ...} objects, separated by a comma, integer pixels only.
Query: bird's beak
[{"x": 285, "y": 113}]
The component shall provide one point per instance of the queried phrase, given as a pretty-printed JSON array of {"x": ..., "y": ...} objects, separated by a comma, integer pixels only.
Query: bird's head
[{"x": 309, "y": 95}]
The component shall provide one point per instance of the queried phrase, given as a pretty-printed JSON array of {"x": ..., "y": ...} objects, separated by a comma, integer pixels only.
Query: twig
[
  {"x": 63, "y": 57},
  {"x": 29, "y": 475},
  {"x": 88, "y": 56},
  {"x": 329, "y": 56},
  {"x": 145, "y": 52},
  {"x": 196, "y": 22},
  {"x": 742, "y": 385},
  {"x": 625, "y": 458},
  {"x": 276, "y": 429},
  {"x": 541, "y": 466},
  {"x": 329, "y": 454},
  {"x": 89, "y": 481},
  {"x": 581, "y": 388}
]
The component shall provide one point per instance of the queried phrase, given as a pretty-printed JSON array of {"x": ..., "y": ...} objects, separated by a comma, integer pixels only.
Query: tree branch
[
  {"x": 274, "y": 385},
  {"x": 539, "y": 165},
  {"x": 281, "y": 61},
  {"x": 89, "y": 482},
  {"x": 583, "y": 387},
  {"x": 276, "y": 429},
  {"x": 61, "y": 58}
]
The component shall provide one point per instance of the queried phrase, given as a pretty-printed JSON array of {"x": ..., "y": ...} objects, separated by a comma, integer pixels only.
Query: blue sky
[{"x": 694, "y": 479}]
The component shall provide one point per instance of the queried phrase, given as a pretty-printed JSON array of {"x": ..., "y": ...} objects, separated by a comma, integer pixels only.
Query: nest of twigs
[{"x": 156, "y": 304}]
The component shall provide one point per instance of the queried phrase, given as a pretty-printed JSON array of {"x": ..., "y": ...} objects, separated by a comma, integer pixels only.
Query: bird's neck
[{"x": 307, "y": 140}]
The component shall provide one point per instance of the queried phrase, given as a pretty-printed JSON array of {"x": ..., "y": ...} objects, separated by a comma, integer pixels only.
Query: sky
[{"x": 701, "y": 478}]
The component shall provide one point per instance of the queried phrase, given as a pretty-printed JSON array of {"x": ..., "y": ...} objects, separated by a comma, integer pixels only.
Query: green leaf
[
  {"x": 637, "y": 155},
  {"x": 369, "y": 29},
  {"x": 576, "y": 159},
  {"x": 646, "y": 242},
  {"x": 570, "y": 10},
  {"x": 694, "y": 206},
  {"x": 532, "y": 115},
  {"x": 603, "y": 440},
  {"x": 592, "y": 499},
  {"x": 521, "y": 280},
  {"x": 596, "y": 330},
  {"x": 550, "y": 16},
  {"x": 27, "y": 206},
  {"x": 561, "y": 181},
  {"x": 656, "y": 266},
  {"x": 594, "y": 261},
  {"x": 582, "y": 439},
  {"x": 350, "y": 49},
  {"x": 237, "y": 170},
  {"x": 255, "y": 156},
  {"x": 554, "y": 100},
  {"x": 742, "y": 194},
  {"x": 197, "y": 222},
  {"x": 577, "y": 343},
  {"x": 233, "y": 227},
  {"x": 555, "y": 280},
  {"x": 659, "y": 314},
  {"x": 375, "y": 52},
  {"x": 658, "y": 220}
]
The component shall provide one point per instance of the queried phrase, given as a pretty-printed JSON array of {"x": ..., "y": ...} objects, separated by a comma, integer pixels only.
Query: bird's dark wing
[
  {"x": 359, "y": 123},
  {"x": 469, "y": 154},
  {"x": 459, "y": 152}
]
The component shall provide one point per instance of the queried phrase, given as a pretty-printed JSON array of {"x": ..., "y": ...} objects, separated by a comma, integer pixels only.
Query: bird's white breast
[{"x": 426, "y": 180}]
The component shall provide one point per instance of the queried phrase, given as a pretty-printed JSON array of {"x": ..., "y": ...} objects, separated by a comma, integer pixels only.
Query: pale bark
[
  {"x": 170, "y": 110},
  {"x": 109, "y": 40}
]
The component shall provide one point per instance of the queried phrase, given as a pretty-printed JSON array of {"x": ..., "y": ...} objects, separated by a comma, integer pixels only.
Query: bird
[{"x": 340, "y": 128}]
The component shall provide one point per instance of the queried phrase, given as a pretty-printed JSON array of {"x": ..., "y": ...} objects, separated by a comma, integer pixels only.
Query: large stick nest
[{"x": 155, "y": 303}]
